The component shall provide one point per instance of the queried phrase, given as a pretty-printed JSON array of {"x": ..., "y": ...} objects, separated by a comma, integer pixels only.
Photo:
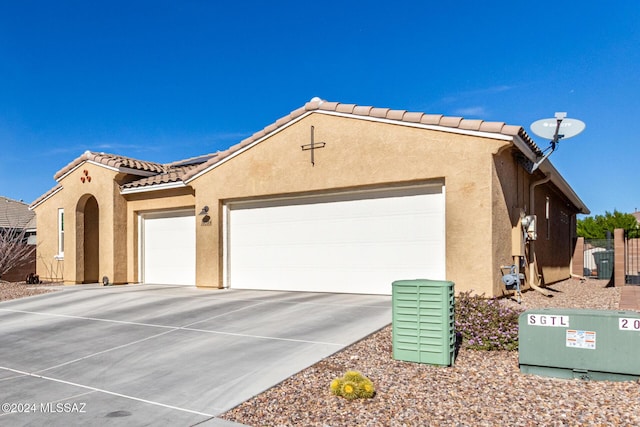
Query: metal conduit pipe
[{"x": 533, "y": 268}]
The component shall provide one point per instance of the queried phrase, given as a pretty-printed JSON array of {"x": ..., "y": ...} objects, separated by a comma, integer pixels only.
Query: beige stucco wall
[
  {"x": 485, "y": 190},
  {"x": 47, "y": 266},
  {"x": 512, "y": 195},
  {"x": 357, "y": 153},
  {"x": 72, "y": 198}
]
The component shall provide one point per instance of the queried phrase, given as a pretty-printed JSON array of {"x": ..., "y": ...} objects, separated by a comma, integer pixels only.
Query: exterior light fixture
[{"x": 204, "y": 211}]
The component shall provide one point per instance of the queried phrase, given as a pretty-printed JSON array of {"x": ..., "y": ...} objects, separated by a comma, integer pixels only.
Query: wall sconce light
[{"x": 204, "y": 211}]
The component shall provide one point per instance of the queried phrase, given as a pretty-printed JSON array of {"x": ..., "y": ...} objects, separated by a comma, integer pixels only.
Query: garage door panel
[
  {"x": 169, "y": 249},
  {"x": 353, "y": 244}
]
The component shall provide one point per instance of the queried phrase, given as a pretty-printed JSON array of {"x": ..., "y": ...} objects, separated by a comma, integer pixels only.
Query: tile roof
[
  {"x": 152, "y": 173},
  {"x": 174, "y": 174},
  {"x": 114, "y": 161},
  {"x": 16, "y": 214},
  {"x": 400, "y": 116}
]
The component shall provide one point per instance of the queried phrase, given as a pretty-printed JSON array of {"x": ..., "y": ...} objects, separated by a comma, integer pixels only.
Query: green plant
[
  {"x": 352, "y": 385},
  {"x": 486, "y": 323},
  {"x": 597, "y": 227},
  {"x": 349, "y": 390},
  {"x": 336, "y": 386}
]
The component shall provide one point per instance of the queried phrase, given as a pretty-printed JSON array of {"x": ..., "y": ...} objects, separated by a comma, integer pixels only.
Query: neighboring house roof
[
  {"x": 637, "y": 215},
  {"x": 156, "y": 176},
  {"x": 16, "y": 214}
]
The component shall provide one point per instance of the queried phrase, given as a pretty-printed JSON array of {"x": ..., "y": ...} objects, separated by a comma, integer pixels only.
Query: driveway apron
[{"x": 164, "y": 355}]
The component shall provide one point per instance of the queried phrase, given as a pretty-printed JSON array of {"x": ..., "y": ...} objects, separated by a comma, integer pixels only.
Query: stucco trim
[
  {"x": 564, "y": 186},
  {"x": 155, "y": 187},
  {"x": 481, "y": 134},
  {"x": 46, "y": 197},
  {"x": 91, "y": 162},
  {"x": 447, "y": 129},
  {"x": 248, "y": 146}
]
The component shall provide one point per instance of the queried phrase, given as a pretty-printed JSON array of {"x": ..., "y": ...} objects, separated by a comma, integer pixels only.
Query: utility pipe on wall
[{"x": 533, "y": 268}]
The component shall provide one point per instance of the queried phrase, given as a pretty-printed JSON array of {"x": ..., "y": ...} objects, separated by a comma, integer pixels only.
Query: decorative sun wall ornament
[{"x": 86, "y": 177}]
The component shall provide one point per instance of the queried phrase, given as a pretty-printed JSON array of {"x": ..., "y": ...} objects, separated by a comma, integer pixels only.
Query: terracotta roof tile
[
  {"x": 361, "y": 110},
  {"x": 188, "y": 168},
  {"x": 470, "y": 124},
  {"x": 431, "y": 119},
  {"x": 385, "y": 113},
  {"x": 172, "y": 175},
  {"x": 328, "y": 106},
  {"x": 345, "y": 108},
  {"x": 297, "y": 113},
  {"x": 379, "y": 112},
  {"x": 495, "y": 127},
  {"x": 451, "y": 122},
  {"x": 413, "y": 117},
  {"x": 313, "y": 104},
  {"x": 111, "y": 160},
  {"x": 395, "y": 114},
  {"x": 258, "y": 134},
  {"x": 283, "y": 121}
]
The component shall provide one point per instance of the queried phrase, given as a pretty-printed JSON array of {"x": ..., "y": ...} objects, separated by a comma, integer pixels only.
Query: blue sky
[{"x": 165, "y": 80}]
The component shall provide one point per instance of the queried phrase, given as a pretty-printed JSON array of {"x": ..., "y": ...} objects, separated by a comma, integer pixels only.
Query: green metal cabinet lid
[{"x": 423, "y": 282}]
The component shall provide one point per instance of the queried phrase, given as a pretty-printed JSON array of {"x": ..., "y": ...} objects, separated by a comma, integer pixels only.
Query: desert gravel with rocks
[
  {"x": 13, "y": 290},
  {"x": 481, "y": 389}
]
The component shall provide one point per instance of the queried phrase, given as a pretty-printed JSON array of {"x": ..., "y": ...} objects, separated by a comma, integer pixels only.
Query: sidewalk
[{"x": 630, "y": 298}]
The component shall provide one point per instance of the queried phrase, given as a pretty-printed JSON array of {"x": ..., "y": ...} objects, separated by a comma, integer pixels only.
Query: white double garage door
[{"x": 356, "y": 242}]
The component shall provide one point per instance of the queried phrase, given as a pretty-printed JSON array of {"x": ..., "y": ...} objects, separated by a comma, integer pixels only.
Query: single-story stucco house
[{"x": 331, "y": 197}]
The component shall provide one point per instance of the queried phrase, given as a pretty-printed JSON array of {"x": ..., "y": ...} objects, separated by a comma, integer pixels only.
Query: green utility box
[
  {"x": 423, "y": 323},
  {"x": 586, "y": 344},
  {"x": 604, "y": 262}
]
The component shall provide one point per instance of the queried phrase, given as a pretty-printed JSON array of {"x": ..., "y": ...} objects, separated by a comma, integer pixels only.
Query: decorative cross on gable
[{"x": 312, "y": 147}]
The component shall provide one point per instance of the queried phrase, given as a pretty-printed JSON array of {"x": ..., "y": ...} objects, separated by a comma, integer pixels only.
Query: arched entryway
[{"x": 87, "y": 240}]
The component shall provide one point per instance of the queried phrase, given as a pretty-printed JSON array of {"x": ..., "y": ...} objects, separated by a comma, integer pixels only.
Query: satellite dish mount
[{"x": 555, "y": 129}]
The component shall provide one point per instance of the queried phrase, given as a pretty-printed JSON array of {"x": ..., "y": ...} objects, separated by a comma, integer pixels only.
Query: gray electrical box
[{"x": 586, "y": 344}]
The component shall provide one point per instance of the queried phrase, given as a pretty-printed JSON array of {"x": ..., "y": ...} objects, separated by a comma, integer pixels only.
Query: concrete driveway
[{"x": 164, "y": 355}]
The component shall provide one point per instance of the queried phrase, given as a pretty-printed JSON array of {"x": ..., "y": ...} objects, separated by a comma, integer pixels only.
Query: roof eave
[
  {"x": 557, "y": 179},
  {"x": 37, "y": 203},
  {"x": 216, "y": 162},
  {"x": 153, "y": 187}
]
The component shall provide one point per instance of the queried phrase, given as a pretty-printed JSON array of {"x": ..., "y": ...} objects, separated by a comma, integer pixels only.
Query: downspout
[{"x": 533, "y": 268}]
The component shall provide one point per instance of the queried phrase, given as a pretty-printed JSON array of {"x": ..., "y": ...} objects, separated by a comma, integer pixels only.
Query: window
[
  {"x": 61, "y": 233},
  {"x": 546, "y": 214}
]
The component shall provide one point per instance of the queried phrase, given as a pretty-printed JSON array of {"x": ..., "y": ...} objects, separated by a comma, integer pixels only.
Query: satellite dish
[
  {"x": 555, "y": 129},
  {"x": 567, "y": 128}
]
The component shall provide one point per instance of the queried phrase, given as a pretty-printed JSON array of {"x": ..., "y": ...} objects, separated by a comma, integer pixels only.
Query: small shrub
[
  {"x": 353, "y": 385},
  {"x": 486, "y": 324}
]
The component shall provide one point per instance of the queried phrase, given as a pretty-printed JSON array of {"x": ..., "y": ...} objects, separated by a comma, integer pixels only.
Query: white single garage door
[
  {"x": 352, "y": 243},
  {"x": 168, "y": 248}
]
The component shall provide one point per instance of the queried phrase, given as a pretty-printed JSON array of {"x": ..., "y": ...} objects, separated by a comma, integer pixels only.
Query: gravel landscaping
[
  {"x": 10, "y": 290},
  {"x": 483, "y": 388}
]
